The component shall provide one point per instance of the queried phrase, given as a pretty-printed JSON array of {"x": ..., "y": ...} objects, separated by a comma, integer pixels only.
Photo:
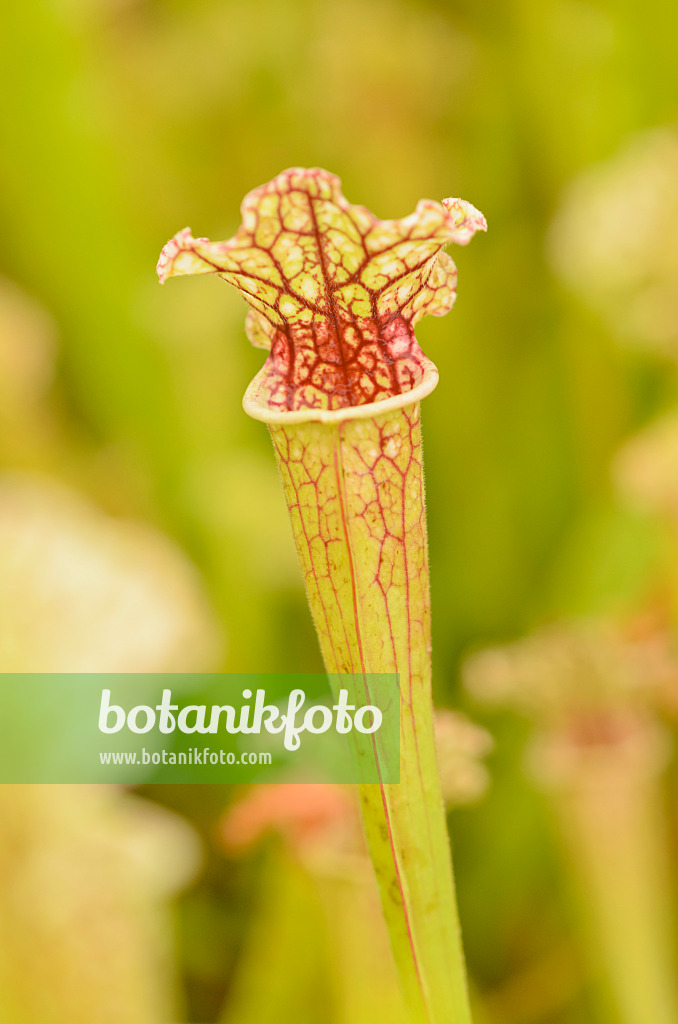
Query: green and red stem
[{"x": 355, "y": 494}]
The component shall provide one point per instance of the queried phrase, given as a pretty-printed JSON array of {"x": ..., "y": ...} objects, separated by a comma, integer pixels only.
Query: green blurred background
[{"x": 125, "y": 120}]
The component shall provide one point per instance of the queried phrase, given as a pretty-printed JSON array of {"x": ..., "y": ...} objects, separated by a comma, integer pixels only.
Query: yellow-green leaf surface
[
  {"x": 356, "y": 497},
  {"x": 335, "y": 294}
]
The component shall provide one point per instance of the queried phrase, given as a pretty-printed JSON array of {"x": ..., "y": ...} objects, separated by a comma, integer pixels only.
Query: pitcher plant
[{"x": 335, "y": 294}]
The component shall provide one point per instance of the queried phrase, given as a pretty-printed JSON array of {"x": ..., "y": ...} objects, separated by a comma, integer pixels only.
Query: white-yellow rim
[{"x": 255, "y": 407}]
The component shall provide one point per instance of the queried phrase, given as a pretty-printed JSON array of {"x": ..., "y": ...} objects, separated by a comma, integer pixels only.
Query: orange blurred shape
[{"x": 304, "y": 815}]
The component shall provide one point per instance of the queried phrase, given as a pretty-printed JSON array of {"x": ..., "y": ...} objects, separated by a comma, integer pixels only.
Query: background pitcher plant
[{"x": 335, "y": 294}]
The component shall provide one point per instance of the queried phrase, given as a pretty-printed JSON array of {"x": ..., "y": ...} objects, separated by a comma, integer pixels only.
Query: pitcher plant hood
[{"x": 334, "y": 292}]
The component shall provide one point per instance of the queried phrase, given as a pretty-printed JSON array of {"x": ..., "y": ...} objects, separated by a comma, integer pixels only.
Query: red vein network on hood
[{"x": 334, "y": 291}]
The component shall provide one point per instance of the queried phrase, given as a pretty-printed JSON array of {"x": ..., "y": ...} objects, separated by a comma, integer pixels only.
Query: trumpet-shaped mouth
[
  {"x": 260, "y": 399},
  {"x": 334, "y": 292},
  {"x": 337, "y": 364},
  {"x": 261, "y": 404},
  {"x": 340, "y": 371}
]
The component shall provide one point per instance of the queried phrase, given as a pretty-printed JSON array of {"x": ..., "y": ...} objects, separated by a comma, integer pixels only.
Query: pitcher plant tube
[{"x": 335, "y": 294}]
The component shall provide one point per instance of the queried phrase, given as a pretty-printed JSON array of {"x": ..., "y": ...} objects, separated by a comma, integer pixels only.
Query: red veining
[
  {"x": 334, "y": 291},
  {"x": 337, "y": 365}
]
